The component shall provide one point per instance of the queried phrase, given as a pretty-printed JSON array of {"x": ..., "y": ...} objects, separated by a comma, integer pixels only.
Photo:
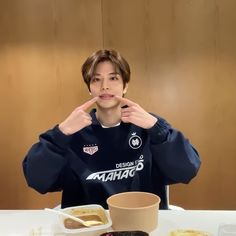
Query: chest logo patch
[
  {"x": 135, "y": 141},
  {"x": 90, "y": 149}
]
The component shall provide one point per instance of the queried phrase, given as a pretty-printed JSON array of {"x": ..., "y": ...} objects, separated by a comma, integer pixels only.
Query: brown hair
[{"x": 120, "y": 64}]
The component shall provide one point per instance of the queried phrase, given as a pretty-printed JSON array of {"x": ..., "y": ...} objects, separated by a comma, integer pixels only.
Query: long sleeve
[
  {"x": 45, "y": 161},
  {"x": 175, "y": 157}
]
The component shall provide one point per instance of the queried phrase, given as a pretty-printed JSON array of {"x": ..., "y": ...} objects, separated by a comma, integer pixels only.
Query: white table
[{"x": 40, "y": 223}]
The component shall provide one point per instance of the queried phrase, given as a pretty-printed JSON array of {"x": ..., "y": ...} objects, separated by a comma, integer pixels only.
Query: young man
[{"x": 116, "y": 147}]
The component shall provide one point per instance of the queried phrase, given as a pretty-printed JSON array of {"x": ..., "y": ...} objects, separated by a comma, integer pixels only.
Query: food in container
[
  {"x": 188, "y": 232},
  {"x": 85, "y": 212}
]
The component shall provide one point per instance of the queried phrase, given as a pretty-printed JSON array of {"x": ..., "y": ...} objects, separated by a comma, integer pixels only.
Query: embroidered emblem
[
  {"x": 90, "y": 149},
  {"x": 135, "y": 141}
]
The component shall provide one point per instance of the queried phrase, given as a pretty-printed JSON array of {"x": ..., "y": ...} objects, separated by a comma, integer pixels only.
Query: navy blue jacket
[{"x": 96, "y": 162}]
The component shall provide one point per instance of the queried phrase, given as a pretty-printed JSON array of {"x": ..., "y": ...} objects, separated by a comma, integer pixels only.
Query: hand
[
  {"x": 135, "y": 114},
  {"x": 78, "y": 119}
]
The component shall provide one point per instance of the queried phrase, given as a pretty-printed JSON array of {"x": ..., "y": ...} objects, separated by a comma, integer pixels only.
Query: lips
[{"x": 106, "y": 96}]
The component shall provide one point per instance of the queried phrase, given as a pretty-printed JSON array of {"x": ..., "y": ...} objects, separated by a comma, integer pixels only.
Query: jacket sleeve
[
  {"x": 45, "y": 161},
  {"x": 173, "y": 154}
]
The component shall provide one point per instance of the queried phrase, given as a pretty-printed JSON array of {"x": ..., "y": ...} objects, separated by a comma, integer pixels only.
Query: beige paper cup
[{"x": 134, "y": 211}]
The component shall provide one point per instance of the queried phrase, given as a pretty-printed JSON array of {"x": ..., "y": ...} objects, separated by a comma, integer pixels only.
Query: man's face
[{"x": 105, "y": 84}]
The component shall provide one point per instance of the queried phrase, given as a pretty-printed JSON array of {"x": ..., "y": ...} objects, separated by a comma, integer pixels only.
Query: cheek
[
  {"x": 93, "y": 90},
  {"x": 120, "y": 89},
  {"x": 94, "y": 94}
]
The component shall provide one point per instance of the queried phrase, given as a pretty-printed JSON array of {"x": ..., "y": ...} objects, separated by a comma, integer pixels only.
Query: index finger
[
  {"x": 125, "y": 101},
  {"x": 88, "y": 104}
]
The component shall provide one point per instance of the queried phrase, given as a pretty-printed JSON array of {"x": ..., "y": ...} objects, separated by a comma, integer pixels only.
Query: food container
[
  {"x": 134, "y": 211},
  {"x": 125, "y": 233},
  {"x": 89, "y": 212}
]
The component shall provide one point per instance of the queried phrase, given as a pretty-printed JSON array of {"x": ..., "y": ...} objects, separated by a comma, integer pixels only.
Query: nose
[{"x": 105, "y": 85}]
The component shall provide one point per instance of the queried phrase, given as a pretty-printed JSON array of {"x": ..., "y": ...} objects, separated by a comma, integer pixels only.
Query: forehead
[{"x": 105, "y": 68}]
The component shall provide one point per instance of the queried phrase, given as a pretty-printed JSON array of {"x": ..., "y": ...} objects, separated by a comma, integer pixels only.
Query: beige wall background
[{"x": 182, "y": 55}]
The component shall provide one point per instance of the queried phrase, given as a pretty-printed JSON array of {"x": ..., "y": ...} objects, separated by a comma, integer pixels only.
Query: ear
[{"x": 125, "y": 88}]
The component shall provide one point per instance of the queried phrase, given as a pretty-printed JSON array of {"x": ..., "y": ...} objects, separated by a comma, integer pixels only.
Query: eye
[
  {"x": 95, "y": 79},
  {"x": 114, "y": 78}
]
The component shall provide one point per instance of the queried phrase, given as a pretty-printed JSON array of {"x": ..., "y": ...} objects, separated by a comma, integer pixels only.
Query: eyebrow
[{"x": 112, "y": 73}]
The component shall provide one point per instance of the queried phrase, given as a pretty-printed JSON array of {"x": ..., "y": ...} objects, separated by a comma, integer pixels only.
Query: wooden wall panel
[
  {"x": 182, "y": 55},
  {"x": 42, "y": 47}
]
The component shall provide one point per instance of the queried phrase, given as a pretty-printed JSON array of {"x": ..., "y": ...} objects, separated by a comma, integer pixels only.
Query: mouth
[{"x": 106, "y": 96}]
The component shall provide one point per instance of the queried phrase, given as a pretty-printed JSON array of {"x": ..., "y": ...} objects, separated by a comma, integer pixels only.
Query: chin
[{"x": 108, "y": 105}]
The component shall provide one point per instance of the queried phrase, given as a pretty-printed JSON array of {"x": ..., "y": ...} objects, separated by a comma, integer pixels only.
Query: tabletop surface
[{"x": 40, "y": 222}]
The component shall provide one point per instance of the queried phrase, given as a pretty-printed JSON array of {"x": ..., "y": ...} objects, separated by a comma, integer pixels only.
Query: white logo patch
[
  {"x": 135, "y": 141},
  {"x": 90, "y": 149}
]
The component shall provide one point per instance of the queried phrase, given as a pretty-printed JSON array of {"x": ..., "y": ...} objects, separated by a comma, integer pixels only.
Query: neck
[{"x": 108, "y": 117}]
